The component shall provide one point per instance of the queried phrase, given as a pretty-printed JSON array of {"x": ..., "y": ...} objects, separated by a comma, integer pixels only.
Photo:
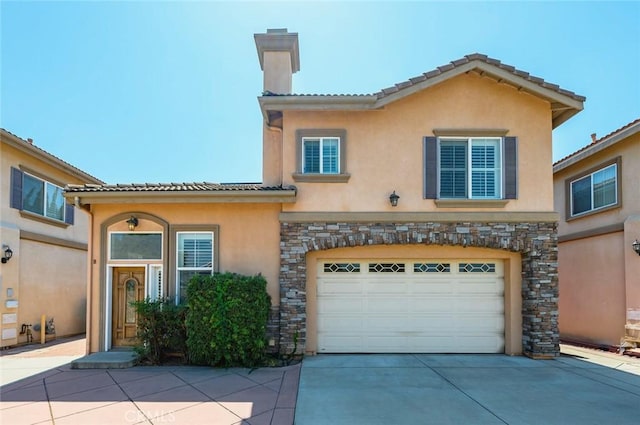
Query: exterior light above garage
[{"x": 393, "y": 199}]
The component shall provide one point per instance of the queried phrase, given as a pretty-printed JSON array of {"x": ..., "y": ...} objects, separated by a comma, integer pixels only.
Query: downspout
[
  {"x": 89, "y": 303},
  {"x": 279, "y": 130}
]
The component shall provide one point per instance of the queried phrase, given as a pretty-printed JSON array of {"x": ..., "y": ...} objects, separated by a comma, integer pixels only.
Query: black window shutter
[
  {"x": 510, "y": 168},
  {"x": 16, "y": 188},
  {"x": 68, "y": 214},
  {"x": 431, "y": 167}
]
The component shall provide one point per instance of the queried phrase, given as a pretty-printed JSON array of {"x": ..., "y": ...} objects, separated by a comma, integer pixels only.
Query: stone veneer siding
[{"x": 536, "y": 242}]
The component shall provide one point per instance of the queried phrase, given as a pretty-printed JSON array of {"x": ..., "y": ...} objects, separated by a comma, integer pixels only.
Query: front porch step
[{"x": 106, "y": 360}]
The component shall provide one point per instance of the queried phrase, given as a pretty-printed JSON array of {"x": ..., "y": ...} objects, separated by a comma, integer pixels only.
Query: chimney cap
[
  {"x": 278, "y": 40},
  {"x": 593, "y": 137}
]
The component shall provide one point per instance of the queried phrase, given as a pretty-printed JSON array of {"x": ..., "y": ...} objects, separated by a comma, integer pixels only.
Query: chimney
[
  {"x": 279, "y": 59},
  {"x": 593, "y": 137},
  {"x": 30, "y": 141}
]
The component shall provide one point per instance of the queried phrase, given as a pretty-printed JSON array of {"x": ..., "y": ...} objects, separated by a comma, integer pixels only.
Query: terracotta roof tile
[
  {"x": 600, "y": 140},
  {"x": 175, "y": 187},
  {"x": 450, "y": 66},
  {"x": 29, "y": 144}
]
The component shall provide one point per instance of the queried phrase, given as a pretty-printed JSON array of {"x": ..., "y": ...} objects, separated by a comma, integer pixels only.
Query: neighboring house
[
  {"x": 597, "y": 194},
  {"x": 464, "y": 261},
  {"x": 47, "y": 238}
]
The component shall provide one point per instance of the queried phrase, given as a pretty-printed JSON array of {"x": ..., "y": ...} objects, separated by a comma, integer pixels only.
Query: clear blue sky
[{"x": 146, "y": 91}]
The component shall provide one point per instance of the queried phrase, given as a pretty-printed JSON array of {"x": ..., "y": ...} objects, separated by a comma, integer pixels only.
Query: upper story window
[
  {"x": 40, "y": 197},
  {"x": 471, "y": 168},
  {"x": 321, "y": 156},
  {"x": 594, "y": 190},
  {"x": 468, "y": 168}
]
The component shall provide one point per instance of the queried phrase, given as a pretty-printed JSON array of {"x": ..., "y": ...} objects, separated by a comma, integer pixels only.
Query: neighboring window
[
  {"x": 194, "y": 256},
  {"x": 470, "y": 168},
  {"x": 321, "y": 155},
  {"x": 135, "y": 246},
  {"x": 595, "y": 190},
  {"x": 39, "y": 196}
]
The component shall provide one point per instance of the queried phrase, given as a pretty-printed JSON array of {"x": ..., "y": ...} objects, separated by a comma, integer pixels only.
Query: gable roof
[
  {"x": 179, "y": 193},
  {"x": 598, "y": 145},
  {"x": 29, "y": 148},
  {"x": 564, "y": 103}
]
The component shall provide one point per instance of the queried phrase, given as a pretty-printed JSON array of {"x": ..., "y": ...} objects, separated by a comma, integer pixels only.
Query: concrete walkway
[
  {"x": 468, "y": 389},
  {"x": 143, "y": 394},
  {"x": 584, "y": 386}
]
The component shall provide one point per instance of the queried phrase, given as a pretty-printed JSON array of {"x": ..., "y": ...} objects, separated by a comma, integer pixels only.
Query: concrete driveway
[{"x": 465, "y": 389}]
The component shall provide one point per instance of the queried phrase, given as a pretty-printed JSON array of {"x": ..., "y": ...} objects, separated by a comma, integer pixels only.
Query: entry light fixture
[
  {"x": 133, "y": 223},
  {"x": 636, "y": 246},
  {"x": 393, "y": 198},
  {"x": 7, "y": 254}
]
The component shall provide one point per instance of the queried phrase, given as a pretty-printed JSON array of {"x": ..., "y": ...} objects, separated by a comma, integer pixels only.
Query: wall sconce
[
  {"x": 393, "y": 198},
  {"x": 133, "y": 223},
  {"x": 636, "y": 246},
  {"x": 7, "y": 254}
]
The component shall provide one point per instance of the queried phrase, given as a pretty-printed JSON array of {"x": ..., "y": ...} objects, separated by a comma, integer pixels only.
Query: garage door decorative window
[
  {"x": 342, "y": 267},
  {"x": 431, "y": 268},
  {"x": 477, "y": 268},
  {"x": 386, "y": 267}
]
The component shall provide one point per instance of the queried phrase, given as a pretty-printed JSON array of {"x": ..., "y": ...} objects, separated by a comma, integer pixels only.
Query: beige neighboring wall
[
  {"x": 467, "y": 101},
  {"x": 47, "y": 274},
  {"x": 249, "y": 240},
  {"x": 598, "y": 270},
  {"x": 592, "y": 289}
]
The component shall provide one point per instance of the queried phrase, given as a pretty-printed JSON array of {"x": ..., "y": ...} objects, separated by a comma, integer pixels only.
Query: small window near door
[{"x": 195, "y": 256}]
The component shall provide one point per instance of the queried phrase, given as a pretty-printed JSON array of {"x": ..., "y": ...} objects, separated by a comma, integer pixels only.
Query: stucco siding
[
  {"x": 385, "y": 147},
  {"x": 592, "y": 289},
  {"x": 248, "y": 243}
]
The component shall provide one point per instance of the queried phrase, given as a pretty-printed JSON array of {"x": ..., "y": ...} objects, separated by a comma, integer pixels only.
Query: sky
[{"x": 166, "y": 91}]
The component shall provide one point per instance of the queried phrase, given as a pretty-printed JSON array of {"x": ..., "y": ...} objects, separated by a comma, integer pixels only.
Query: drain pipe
[{"x": 89, "y": 303}]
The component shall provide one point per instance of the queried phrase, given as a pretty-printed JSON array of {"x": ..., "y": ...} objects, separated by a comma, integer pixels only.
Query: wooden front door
[{"x": 128, "y": 286}]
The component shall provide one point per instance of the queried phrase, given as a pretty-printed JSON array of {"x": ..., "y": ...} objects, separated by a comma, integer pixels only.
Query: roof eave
[
  {"x": 563, "y": 106},
  {"x": 597, "y": 147},
  {"x": 25, "y": 147},
  {"x": 188, "y": 197}
]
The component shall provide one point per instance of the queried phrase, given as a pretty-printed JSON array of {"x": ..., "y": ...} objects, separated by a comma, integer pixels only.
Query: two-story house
[
  {"x": 44, "y": 244},
  {"x": 597, "y": 195},
  {"x": 416, "y": 219}
]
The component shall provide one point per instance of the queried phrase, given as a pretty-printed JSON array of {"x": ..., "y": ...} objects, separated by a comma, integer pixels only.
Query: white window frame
[
  {"x": 179, "y": 268},
  {"x": 321, "y": 141},
  {"x": 469, "y": 142},
  {"x": 591, "y": 187},
  {"x": 45, "y": 196}
]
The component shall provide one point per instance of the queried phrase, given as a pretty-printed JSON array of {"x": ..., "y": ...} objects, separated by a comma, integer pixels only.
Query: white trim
[
  {"x": 321, "y": 140},
  {"x": 591, "y": 188}
]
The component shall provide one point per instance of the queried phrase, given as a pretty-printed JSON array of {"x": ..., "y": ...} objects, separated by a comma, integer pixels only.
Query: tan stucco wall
[
  {"x": 592, "y": 293},
  {"x": 47, "y": 276},
  {"x": 249, "y": 240},
  {"x": 464, "y": 102},
  {"x": 512, "y": 281}
]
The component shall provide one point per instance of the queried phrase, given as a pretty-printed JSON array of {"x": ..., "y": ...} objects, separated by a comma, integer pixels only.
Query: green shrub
[
  {"x": 227, "y": 319},
  {"x": 161, "y": 330}
]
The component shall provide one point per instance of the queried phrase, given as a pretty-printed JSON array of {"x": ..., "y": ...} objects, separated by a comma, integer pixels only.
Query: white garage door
[{"x": 396, "y": 306}]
